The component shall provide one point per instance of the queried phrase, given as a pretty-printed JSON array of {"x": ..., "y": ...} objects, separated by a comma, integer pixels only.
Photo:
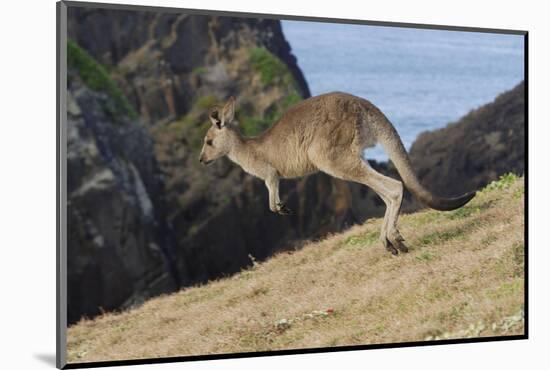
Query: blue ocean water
[{"x": 421, "y": 79}]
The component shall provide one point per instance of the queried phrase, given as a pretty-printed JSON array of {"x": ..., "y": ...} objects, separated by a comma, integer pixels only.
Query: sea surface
[{"x": 421, "y": 79}]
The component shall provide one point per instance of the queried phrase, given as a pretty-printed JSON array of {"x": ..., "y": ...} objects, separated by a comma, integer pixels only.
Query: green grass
[
  {"x": 425, "y": 257},
  {"x": 463, "y": 212},
  {"x": 439, "y": 237},
  {"x": 426, "y": 217},
  {"x": 362, "y": 239},
  {"x": 519, "y": 193},
  {"x": 504, "y": 182},
  {"x": 96, "y": 77}
]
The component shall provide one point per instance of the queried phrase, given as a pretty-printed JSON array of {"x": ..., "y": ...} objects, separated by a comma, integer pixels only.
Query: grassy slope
[{"x": 463, "y": 277}]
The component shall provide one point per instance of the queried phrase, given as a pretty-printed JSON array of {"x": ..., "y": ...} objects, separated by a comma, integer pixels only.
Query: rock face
[
  {"x": 165, "y": 62},
  {"x": 120, "y": 251},
  {"x": 468, "y": 154}
]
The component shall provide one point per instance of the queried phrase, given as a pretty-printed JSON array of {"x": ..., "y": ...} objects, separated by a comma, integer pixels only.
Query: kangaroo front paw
[{"x": 282, "y": 209}]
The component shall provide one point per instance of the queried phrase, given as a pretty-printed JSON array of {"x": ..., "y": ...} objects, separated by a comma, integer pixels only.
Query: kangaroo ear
[
  {"x": 214, "y": 116},
  {"x": 228, "y": 112}
]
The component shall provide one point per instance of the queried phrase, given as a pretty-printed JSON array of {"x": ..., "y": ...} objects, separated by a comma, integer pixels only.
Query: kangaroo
[{"x": 326, "y": 133}]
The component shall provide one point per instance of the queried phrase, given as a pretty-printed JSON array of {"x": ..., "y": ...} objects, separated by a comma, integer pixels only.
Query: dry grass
[{"x": 463, "y": 277}]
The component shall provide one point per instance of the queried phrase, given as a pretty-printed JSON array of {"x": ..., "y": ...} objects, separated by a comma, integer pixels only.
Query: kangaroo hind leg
[
  {"x": 384, "y": 229},
  {"x": 390, "y": 190}
]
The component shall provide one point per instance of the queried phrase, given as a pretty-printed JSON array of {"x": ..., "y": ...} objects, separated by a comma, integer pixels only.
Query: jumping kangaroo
[{"x": 325, "y": 133}]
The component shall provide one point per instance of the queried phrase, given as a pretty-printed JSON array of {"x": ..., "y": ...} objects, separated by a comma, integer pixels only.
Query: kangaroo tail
[{"x": 396, "y": 151}]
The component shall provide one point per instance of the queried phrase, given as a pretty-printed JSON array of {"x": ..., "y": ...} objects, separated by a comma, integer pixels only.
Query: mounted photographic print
[{"x": 234, "y": 184}]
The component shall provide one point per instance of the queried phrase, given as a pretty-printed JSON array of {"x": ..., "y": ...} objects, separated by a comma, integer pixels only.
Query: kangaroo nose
[{"x": 203, "y": 161}]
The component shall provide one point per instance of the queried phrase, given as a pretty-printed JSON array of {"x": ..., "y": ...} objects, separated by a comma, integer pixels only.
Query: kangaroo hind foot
[{"x": 397, "y": 241}]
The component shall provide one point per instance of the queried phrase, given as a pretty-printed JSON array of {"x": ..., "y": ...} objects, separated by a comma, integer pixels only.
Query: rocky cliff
[
  {"x": 468, "y": 154},
  {"x": 120, "y": 248},
  {"x": 166, "y": 63}
]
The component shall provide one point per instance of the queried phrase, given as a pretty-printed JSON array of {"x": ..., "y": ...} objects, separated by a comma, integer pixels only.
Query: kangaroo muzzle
[{"x": 204, "y": 161}]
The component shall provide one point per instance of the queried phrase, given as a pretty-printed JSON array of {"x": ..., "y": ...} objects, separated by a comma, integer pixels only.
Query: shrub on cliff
[{"x": 96, "y": 77}]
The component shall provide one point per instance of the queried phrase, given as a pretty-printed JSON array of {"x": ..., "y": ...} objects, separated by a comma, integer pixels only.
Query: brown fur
[{"x": 325, "y": 133}]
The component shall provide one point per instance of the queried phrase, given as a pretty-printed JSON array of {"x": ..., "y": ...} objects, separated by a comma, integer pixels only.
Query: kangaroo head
[{"x": 220, "y": 138}]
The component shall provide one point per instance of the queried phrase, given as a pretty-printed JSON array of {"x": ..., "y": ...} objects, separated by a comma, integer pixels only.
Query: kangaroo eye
[{"x": 209, "y": 142}]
